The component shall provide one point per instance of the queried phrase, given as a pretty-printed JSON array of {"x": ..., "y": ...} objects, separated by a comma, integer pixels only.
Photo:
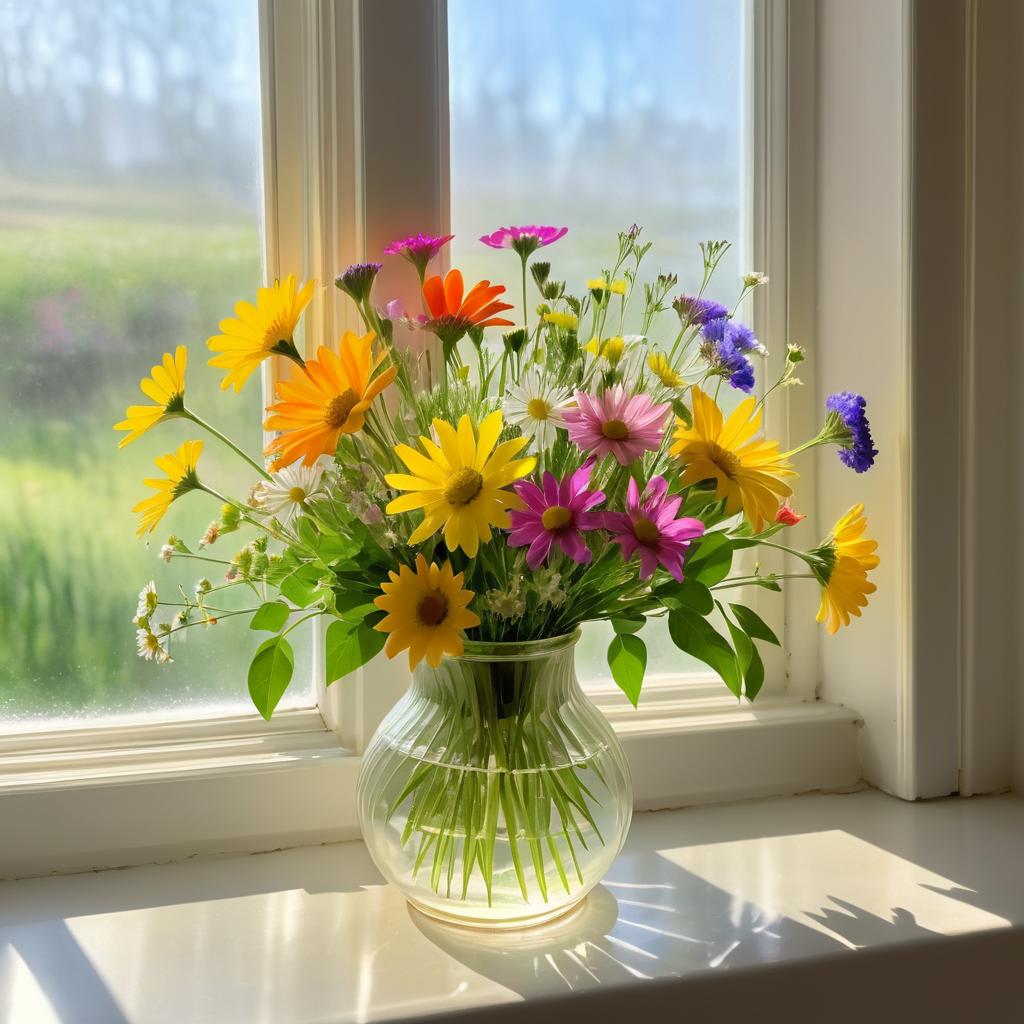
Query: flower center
[
  {"x": 538, "y": 409},
  {"x": 340, "y": 406},
  {"x": 645, "y": 531},
  {"x": 463, "y": 486},
  {"x": 278, "y": 331},
  {"x": 556, "y": 517},
  {"x": 725, "y": 461},
  {"x": 297, "y": 494},
  {"x": 432, "y": 609},
  {"x": 615, "y": 430}
]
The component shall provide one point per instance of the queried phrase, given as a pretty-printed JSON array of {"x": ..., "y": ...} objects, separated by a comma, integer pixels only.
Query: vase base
[{"x": 530, "y": 920}]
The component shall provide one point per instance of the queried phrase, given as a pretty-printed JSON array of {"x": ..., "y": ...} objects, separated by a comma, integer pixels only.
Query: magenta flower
[
  {"x": 419, "y": 249},
  {"x": 524, "y": 240},
  {"x": 616, "y": 422},
  {"x": 649, "y": 526},
  {"x": 557, "y": 513}
]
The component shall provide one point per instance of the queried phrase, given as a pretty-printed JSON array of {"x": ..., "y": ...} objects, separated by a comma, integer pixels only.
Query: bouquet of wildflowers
[{"x": 528, "y": 471}]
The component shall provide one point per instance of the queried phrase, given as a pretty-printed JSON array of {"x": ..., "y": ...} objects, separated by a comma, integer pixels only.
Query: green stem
[{"x": 200, "y": 422}]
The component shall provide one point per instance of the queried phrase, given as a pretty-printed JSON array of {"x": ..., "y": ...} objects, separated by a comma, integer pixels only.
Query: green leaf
[
  {"x": 270, "y": 616},
  {"x": 302, "y": 587},
  {"x": 270, "y": 673},
  {"x": 689, "y": 594},
  {"x": 349, "y": 645},
  {"x": 695, "y": 635},
  {"x": 749, "y": 659},
  {"x": 743, "y": 644},
  {"x": 711, "y": 562},
  {"x": 753, "y": 624},
  {"x": 754, "y": 678},
  {"x": 627, "y": 658},
  {"x": 627, "y": 624}
]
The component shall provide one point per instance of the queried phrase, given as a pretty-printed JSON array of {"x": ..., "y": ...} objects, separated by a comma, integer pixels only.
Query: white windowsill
[
  {"x": 215, "y": 788},
  {"x": 739, "y": 909}
]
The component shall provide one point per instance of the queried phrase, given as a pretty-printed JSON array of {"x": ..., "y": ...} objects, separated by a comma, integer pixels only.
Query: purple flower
[
  {"x": 525, "y": 239},
  {"x": 851, "y": 429},
  {"x": 727, "y": 344},
  {"x": 649, "y": 527},
  {"x": 419, "y": 249},
  {"x": 693, "y": 310},
  {"x": 358, "y": 279},
  {"x": 558, "y": 512}
]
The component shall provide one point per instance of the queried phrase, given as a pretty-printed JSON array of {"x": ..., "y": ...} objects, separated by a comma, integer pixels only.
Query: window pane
[
  {"x": 594, "y": 115},
  {"x": 129, "y": 224}
]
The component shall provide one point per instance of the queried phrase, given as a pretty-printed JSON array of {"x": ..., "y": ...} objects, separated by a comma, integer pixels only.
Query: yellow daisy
[
  {"x": 165, "y": 385},
  {"x": 459, "y": 485},
  {"x": 846, "y": 590},
  {"x": 662, "y": 369},
  {"x": 748, "y": 471},
  {"x": 611, "y": 350},
  {"x": 566, "y": 320},
  {"x": 426, "y": 612},
  {"x": 600, "y": 284},
  {"x": 180, "y": 470},
  {"x": 261, "y": 330}
]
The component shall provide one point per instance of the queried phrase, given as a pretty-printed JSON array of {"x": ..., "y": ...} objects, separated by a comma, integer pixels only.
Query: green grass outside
[{"x": 88, "y": 305}]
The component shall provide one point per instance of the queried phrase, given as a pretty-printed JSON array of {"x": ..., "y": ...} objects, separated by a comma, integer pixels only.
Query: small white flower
[
  {"x": 167, "y": 552},
  {"x": 548, "y": 585},
  {"x": 505, "y": 604},
  {"x": 537, "y": 407},
  {"x": 211, "y": 535},
  {"x": 150, "y": 647},
  {"x": 754, "y": 279},
  {"x": 287, "y": 489},
  {"x": 148, "y": 601}
]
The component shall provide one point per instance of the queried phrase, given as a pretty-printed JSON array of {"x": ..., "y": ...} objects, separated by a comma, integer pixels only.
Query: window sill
[
  {"x": 778, "y": 891},
  {"x": 168, "y": 793}
]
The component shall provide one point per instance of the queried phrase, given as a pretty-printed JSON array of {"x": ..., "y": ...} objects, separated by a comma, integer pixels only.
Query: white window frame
[{"x": 115, "y": 795}]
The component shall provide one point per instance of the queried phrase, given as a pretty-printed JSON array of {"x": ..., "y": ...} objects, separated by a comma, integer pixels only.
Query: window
[
  {"x": 345, "y": 153},
  {"x": 613, "y": 124},
  {"x": 130, "y": 205}
]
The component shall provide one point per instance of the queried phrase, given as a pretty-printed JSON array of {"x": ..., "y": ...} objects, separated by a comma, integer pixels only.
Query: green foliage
[
  {"x": 693, "y": 634},
  {"x": 270, "y": 616},
  {"x": 270, "y": 673},
  {"x": 753, "y": 624},
  {"x": 627, "y": 658},
  {"x": 349, "y": 646}
]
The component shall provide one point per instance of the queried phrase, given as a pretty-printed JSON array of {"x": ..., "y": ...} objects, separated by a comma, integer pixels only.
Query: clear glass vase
[{"x": 494, "y": 793}]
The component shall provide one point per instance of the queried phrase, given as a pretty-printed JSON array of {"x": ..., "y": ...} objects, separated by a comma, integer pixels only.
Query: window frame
[{"x": 83, "y": 798}]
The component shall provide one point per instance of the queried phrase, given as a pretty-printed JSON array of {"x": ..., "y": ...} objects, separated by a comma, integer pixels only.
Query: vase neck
[{"x": 503, "y": 680}]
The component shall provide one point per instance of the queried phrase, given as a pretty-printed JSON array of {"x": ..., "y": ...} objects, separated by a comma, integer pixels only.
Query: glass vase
[{"x": 494, "y": 793}]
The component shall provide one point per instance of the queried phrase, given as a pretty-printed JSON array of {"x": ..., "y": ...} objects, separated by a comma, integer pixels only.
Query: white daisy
[
  {"x": 150, "y": 647},
  {"x": 148, "y": 601},
  {"x": 287, "y": 489},
  {"x": 537, "y": 407}
]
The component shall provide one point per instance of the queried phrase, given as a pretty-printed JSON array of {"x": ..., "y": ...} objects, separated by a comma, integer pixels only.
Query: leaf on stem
[
  {"x": 348, "y": 646},
  {"x": 627, "y": 658},
  {"x": 270, "y": 673}
]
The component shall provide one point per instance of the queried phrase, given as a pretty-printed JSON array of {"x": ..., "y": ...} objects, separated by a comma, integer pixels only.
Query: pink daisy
[
  {"x": 524, "y": 240},
  {"x": 557, "y": 513},
  {"x": 617, "y": 423},
  {"x": 419, "y": 249},
  {"x": 649, "y": 526}
]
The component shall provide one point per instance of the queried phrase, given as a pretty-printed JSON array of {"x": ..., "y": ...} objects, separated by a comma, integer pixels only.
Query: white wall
[{"x": 862, "y": 332}]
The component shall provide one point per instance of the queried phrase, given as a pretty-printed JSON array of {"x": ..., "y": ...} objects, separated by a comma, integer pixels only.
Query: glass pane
[
  {"x": 594, "y": 115},
  {"x": 129, "y": 224}
]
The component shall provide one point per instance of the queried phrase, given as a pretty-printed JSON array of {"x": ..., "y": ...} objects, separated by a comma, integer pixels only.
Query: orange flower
[
  {"x": 329, "y": 398},
  {"x": 454, "y": 314}
]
